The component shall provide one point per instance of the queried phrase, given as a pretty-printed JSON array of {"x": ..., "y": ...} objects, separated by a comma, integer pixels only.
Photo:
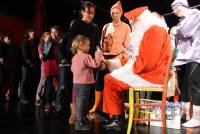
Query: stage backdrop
[{"x": 15, "y": 27}]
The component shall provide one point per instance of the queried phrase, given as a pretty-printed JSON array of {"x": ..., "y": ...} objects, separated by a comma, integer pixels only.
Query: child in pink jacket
[{"x": 83, "y": 77}]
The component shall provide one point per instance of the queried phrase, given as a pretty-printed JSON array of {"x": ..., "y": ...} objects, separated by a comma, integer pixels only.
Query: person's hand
[
  {"x": 113, "y": 64},
  {"x": 173, "y": 31},
  {"x": 33, "y": 66},
  {"x": 103, "y": 66},
  {"x": 47, "y": 38},
  {"x": 1, "y": 61},
  {"x": 107, "y": 63},
  {"x": 99, "y": 54}
]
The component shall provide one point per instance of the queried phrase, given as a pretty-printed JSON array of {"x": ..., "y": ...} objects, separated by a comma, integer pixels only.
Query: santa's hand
[
  {"x": 107, "y": 62},
  {"x": 113, "y": 64}
]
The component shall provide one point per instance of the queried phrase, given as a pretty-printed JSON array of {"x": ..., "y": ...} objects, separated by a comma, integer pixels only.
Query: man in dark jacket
[{"x": 30, "y": 66}]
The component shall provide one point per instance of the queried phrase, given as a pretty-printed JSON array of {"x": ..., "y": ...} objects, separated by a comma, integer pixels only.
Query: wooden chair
[{"x": 134, "y": 101}]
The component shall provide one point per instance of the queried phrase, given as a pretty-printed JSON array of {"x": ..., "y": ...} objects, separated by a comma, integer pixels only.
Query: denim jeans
[
  {"x": 41, "y": 85},
  {"x": 64, "y": 87},
  {"x": 82, "y": 100}
]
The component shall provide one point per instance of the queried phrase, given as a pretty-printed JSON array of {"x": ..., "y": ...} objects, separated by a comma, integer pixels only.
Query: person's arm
[
  {"x": 189, "y": 25},
  {"x": 40, "y": 51},
  {"x": 25, "y": 53},
  {"x": 91, "y": 62},
  {"x": 68, "y": 47},
  {"x": 103, "y": 32},
  {"x": 62, "y": 50},
  {"x": 127, "y": 37},
  {"x": 150, "y": 50},
  {"x": 1, "y": 53},
  {"x": 75, "y": 28},
  {"x": 97, "y": 36},
  {"x": 46, "y": 50}
]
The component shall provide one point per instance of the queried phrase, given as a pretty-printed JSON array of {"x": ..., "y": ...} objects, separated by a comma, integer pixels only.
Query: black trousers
[
  {"x": 26, "y": 82},
  {"x": 1, "y": 82},
  {"x": 188, "y": 77},
  {"x": 1, "y": 78},
  {"x": 29, "y": 82}
]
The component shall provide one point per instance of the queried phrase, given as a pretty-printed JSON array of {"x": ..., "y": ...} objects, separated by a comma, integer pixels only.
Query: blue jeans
[
  {"x": 63, "y": 94},
  {"x": 82, "y": 100},
  {"x": 41, "y": 85}
]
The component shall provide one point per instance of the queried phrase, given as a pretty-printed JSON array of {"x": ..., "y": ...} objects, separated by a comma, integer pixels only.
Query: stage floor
[{"x": 16, "y": 118}]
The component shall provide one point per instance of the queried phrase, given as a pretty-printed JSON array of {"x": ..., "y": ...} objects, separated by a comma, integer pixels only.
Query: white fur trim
[
  {"x": 114, "y": 64},
  {"x": 126, "y": 75}
]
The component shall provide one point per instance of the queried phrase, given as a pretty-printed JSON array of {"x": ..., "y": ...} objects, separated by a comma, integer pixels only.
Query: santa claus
[{"x": 149, "y": 51}]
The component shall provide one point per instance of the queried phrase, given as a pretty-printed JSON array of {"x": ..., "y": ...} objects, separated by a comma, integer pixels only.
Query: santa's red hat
[
  {"x": 118, "y": 6},
  {"x": 133, "y": 14}
]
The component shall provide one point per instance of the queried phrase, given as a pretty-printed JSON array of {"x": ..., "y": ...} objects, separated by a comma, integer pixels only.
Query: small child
[
  {"x": 40, "y": 89},
  {"x": 83, "y": 77}
]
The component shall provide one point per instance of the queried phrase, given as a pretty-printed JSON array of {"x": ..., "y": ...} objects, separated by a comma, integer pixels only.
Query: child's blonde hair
[
  {"x": 77, "y": 43},
  {"x": 43, "y": 36}
]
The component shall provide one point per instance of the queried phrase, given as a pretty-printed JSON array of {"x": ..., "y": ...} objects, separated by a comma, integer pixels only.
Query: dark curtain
[
  {"x": 39, "y": 21},
  {"x": 13, "y": 26}
]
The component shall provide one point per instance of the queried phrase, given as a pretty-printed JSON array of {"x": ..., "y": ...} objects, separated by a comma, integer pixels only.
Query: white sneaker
[{"x": 192, "y": 123}]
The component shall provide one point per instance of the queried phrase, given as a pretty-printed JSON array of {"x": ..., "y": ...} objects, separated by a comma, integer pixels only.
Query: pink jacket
[{"x": 82, "y": 68}]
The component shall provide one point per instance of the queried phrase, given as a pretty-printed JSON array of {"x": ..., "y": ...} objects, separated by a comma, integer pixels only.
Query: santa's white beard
[
  {"x": 125, "y": 73},
  {"x": 142, "y": 24}
]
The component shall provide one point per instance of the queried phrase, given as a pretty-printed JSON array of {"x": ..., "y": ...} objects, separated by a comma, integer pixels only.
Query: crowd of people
[{"x": 62, "y": 70}]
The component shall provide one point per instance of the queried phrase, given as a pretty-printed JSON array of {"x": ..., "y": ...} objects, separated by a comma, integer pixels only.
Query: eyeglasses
[{"x": 89, "y": 12}]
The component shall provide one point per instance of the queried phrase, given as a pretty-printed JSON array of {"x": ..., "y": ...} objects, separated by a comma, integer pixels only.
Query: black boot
[
  {"x": 23, "y": 100},
  {"x": 116, "y": 123},
  {"x": 83, "y": 125}
]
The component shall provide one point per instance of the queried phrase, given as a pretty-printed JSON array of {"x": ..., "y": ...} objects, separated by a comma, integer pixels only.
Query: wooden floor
[{"x": 16, "y": 118}]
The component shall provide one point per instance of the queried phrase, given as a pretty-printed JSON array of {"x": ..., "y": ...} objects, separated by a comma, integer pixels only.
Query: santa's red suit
[{"x": 149, "y": 51}]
